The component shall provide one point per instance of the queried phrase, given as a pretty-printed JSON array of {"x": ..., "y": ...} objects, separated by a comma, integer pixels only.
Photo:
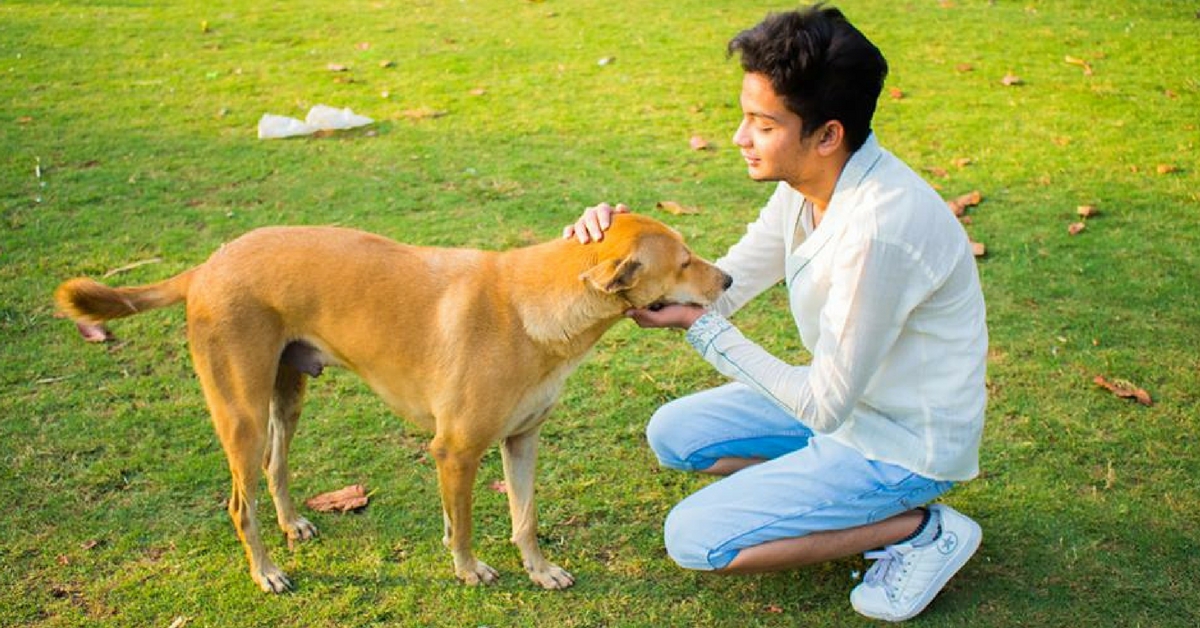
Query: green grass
[{"x": 142, "y": 120}]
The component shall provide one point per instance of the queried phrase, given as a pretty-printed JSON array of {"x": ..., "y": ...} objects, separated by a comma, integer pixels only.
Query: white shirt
[{"x": 887, "y": 300}]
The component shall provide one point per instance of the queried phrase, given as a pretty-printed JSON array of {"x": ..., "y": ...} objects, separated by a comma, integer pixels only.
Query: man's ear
[
  {"x": 613, "y": 275},
  {"x": 830, "y": 137}
]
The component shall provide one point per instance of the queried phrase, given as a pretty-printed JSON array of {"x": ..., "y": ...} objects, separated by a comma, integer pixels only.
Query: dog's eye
[{"x": 687, "y": 263}]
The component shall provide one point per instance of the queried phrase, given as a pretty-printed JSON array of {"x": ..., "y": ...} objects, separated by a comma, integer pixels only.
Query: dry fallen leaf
[
  {"x": 337, "y": 67},
  {"x": 671, "y": 207},
  {"x": 698, "y": 143},
  {"x": 1010, "y": 80},
  {"x": 964, "y": 67},
  {"x": 422, "y": 113},
  {"x": 353, "y": 497},
  {"x": 478, "y": 91},
  {"x": 978, "y": 249},
  {"x": 1087, "y": 67},
  {"x": 1086, "y": 211},
  {"x": 1075, "y": 227},
  {"x": 1166, "y": 168},
  {"x": 896, "y": 93},
  {"x": 959, "y": 205},
  {"x": 499, "y": 486},
  {"x": 1126, "y": 389},
  {"x": 94, "y": 333}
]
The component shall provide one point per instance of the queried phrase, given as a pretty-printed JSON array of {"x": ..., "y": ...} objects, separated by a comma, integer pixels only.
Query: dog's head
[{"x": 647, "y": 263}]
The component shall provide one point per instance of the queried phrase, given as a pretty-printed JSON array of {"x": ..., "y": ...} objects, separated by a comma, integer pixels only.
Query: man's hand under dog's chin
[{"x": 676, "y": 315}]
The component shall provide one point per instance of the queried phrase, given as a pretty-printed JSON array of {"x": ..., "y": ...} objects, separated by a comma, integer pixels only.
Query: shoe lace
[{"x": 887, "y": 570}]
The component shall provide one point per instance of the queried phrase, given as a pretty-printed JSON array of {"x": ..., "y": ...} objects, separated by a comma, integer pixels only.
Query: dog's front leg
[
  {"x": 520, "y": 463},
  {"x": 456, "y": 480}
]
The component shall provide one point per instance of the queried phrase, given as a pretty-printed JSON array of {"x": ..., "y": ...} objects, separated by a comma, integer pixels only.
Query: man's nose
[{"x": 740, "y": 137}]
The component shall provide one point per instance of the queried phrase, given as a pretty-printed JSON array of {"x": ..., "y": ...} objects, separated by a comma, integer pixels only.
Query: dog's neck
[{"x": 559, "y": 311}]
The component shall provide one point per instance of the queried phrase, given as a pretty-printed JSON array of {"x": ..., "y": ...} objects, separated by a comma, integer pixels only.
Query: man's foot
[{"x": 905, "y": 579}]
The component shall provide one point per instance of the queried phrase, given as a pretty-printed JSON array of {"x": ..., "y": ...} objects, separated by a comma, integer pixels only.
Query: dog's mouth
[{"x": 661, "y": 303}]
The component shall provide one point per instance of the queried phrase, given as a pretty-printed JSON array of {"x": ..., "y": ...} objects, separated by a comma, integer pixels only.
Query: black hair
[{"x": 820, "y": 64}]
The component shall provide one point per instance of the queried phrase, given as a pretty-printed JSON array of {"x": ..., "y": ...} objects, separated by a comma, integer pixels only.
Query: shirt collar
[
  {"x": 856, "y": 170},
  {"x": 857, "y": 167},
  {"x": 860, "y": 164}
]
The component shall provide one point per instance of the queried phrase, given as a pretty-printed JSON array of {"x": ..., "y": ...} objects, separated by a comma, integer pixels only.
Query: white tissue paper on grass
[
  {"x": 319, "y": 118},
  {"x": 324, "y": 117},
  {"x": 272, "y": 126}
]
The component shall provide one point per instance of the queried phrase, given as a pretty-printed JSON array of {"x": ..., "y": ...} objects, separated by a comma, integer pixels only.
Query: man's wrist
[
  {"x": 692, "y": 316},
  {"x": 705, "y": 329}
]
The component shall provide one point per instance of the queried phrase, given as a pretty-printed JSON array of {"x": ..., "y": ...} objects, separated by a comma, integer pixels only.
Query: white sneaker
[{"x": 905, "y": 579}]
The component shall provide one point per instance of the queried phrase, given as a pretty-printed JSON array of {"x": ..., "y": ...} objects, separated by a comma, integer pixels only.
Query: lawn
[{"x": 129, "y": 149}]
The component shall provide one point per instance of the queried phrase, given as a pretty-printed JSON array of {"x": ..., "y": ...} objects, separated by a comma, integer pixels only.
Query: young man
[{"x": 839, "y": 456}]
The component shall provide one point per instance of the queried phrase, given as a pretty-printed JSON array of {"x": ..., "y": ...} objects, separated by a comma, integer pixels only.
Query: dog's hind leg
[
  {"x": 519, "y": 454},
  {"x": 286, "y": 402},
  {"x": 457, "y": 466},
  {"x": 237, "y": 383}
]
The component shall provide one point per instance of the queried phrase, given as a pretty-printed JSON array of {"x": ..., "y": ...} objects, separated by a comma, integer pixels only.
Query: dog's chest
[{"x": 534, "y": 406}]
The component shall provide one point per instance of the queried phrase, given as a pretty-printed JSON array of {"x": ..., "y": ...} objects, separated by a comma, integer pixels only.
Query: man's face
[{"x": 769, "y": 135}]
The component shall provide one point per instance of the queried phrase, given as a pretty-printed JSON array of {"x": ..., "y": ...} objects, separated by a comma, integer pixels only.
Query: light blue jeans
[{"x": 808, "y": 483}]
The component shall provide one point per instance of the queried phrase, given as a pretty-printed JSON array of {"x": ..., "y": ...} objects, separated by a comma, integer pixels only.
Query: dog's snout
[{"x": 728, "y": 281}]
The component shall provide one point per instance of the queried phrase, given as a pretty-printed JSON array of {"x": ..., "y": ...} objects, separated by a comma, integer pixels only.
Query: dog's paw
[
  {"x": 299, "y": 529},
  {"x": 479, "y": 573},
  {"x": 271, "y": 579},
  {"x": 552, "y": 577}
]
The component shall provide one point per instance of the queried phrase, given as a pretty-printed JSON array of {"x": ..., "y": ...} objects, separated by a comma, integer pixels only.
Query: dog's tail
[{"x": 90, "y": 302}]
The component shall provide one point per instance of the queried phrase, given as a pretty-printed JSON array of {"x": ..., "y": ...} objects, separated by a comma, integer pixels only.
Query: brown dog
[{"x": 472, "y": 345}]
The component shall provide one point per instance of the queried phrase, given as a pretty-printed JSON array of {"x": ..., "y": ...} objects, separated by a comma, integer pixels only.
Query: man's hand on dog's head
[
  {"x": 676, "y": 315},
  {"x": 594, "y": 222},
  {"x": 590, "y": 228}
]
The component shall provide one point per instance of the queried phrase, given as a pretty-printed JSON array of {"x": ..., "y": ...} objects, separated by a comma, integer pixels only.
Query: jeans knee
[
  {"x": 684, "y": 542},
  {"x": 662, "y": 435}
]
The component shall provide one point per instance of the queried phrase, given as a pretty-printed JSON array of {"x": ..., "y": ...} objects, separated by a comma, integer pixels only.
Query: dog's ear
[{"x": 613, "y": 275}]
